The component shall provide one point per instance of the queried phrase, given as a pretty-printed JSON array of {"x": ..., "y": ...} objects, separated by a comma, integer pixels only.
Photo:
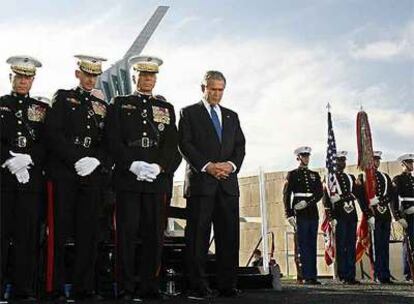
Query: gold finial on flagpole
[{"x": 328, "y": 106}]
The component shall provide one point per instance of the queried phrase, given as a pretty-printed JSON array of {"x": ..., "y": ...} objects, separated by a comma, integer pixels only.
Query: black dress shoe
[
  {"x": 231, "y": 293},
  {"x": 312, "y": 282},
  {"x": 26, "y": 299},
  {"x": 153, "y": 295},
  {"x": 386, "y": 281},
  {"x": 130, "y": 297},
  {"x": 202, "y": 294},
  {"x": 352, "y": 282}
]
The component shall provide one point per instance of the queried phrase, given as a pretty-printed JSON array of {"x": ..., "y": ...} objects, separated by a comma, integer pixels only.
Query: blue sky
[{"x": 284, "y": 61}]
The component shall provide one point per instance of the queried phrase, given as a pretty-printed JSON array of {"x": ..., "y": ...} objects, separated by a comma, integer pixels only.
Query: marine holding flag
[
  {"x": 341, "y": 207},
  {"x": 381, "y": 223}
]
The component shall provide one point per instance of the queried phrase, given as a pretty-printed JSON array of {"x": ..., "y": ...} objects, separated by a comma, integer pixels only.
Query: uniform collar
[
  {"x": 139, "y": 94},
  {"x": 14, "y": 94},
  {"x": 82, "y": 91}
]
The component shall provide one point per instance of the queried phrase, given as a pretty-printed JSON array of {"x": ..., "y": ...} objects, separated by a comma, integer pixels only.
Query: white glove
[
  {"x": 145, "y": 175},
  {"x": 371, "y": 223},
  {"x": 292, "y": 222},
  {"x": 403, "y": 223},
  {"x": 17, "y": 162},
  {"x": 137, "y": 166},
  {"x": 153, "y": 170},
  {"x": 149, "y": 172},
  {"x": 142, "y": 170},
  {"x": 373, "y": 201},
  {"x": 335, "y": 198},
  {"x": 334, "y": 223},
  {"x": 301, "y": 205},
  {"x": 86, "y": 165},
  {"x": 23, "y": 176}
]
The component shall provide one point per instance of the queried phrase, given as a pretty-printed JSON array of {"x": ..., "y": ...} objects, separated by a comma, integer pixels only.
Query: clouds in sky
[{"x": 401, "y": 46}]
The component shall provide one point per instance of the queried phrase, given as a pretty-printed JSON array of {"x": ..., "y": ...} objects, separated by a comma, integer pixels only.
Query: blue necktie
[{"x": 216, "y": 122}]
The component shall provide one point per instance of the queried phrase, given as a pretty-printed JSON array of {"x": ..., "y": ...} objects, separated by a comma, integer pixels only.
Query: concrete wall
[{"x": 250, "y": 232}]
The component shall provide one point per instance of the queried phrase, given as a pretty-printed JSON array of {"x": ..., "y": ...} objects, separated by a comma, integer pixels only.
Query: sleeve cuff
[
  {"x": 233, "y": 165},
  {"x": 205, "y": 167}
]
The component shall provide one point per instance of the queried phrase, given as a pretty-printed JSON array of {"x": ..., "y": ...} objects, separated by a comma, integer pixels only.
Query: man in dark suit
[{"x": 213, "y": 144}]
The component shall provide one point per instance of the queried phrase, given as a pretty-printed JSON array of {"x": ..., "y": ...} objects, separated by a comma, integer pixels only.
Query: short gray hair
[{"x": 213, "y": 75}]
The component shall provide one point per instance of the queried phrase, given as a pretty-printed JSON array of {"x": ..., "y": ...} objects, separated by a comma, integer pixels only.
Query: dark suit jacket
[{"x": 199, "y": 144}]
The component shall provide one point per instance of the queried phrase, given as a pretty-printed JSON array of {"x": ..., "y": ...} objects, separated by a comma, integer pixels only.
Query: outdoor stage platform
[{"x": 328, "y": 293}]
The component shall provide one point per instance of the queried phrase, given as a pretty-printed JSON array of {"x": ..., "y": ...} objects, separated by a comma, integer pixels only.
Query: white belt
[
  {"x": 406, "y": 199},
  {"x": 299, "y": 194},
  {"x": 409, "y": 210}
]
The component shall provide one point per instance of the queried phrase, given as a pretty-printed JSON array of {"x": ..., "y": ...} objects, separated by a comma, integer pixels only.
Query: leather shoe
[
  {"x": 231, "y": 293},
  {"x": 352, "y": 282},
  {"x": 312, "y": 282},
  {"x": 202, "y": 294},
  {"x": 129, "y": 297},
  {"x": 26, "y": 299},
  {"x": 386, "y": 281}
]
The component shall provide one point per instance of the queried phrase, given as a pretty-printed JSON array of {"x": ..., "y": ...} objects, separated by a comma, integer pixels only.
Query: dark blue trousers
[
  {"x": 345, "y": 248},
  {"x": 307, "y": 231},
  {"x": 382, "y": 249},
  {"x": 410, "y": 229}
]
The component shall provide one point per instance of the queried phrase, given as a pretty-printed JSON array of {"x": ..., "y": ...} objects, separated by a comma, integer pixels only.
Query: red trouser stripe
[{"x": 50, "y": 238}]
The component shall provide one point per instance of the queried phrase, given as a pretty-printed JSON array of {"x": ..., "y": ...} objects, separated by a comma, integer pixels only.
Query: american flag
[
  {"x": 331, "y": 184},
  {"x": 331, "y": 157}
]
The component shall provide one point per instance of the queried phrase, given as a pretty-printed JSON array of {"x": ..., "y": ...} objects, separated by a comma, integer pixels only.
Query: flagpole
[{"x": 331, "y": 188}]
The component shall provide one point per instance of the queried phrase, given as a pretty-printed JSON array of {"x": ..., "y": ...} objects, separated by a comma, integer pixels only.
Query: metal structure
[
  {"x": 263, "y": 213},
  {"x": 116, "y": 80}
]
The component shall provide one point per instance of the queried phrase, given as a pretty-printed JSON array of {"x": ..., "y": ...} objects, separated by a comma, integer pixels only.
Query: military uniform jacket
[
  {"x": 22, "y": 131},
  {"x": 302, "y": 184},
  {"x": 75, "y": 129},
  {"x": 142, "y": 128},
  {"x": 403, "y": 193},
  {"x": 385, "y": 195},
  {"x": 352, "y": 193}
]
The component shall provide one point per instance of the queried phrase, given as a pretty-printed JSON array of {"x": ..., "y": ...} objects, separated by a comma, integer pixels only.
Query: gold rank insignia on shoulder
[
  {"x": 161, "y": 115},
  {"x": 128, "y": 107},
  {"x": 99, "y": 108},
  {"x": 36, "y": 113},
  {"x": 73, "y": 100}
]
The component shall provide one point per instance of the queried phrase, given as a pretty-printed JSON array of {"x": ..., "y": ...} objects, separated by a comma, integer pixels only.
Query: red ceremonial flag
[{"x": 366, "y": 165}]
